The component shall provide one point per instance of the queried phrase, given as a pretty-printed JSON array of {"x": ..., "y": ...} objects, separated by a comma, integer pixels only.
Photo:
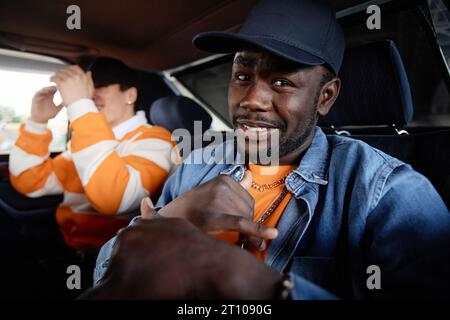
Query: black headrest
[
  {"x": 375, "y": 88},
  {"x": 174, "y": 112},
  {"x": 150, "y": 87}
]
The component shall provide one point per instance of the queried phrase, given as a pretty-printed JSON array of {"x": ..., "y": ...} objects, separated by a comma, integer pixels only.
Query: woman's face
[{"x": 116, "y": 105}]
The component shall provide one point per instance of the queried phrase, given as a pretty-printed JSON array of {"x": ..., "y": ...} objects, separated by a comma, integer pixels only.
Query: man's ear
[
  {"x": 131, "y": 95},
  {"x": 328, "y": 96}
]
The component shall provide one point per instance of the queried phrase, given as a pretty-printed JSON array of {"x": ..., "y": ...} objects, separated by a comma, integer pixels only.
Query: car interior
[{"x": 395, "y": 81}]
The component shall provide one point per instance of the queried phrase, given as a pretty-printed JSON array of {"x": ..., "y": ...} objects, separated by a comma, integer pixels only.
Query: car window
[
  {"x": 210, "y": 84},
  {"x": 405, "y": 27},
  {"x": 21, "y": 75},
  {"x": 440, "y": 16}
]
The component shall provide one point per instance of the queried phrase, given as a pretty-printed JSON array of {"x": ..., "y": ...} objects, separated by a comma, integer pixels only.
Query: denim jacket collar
[{"x": 312, "y": 169}]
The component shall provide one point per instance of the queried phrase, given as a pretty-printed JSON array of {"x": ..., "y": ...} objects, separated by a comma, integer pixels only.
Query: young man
[
  {"x": 114, "y": 158},
  {"x": 341, "y": 208}
]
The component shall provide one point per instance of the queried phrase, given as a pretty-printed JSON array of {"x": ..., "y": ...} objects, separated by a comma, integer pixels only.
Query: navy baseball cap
[{"x": 303, "y": 31}]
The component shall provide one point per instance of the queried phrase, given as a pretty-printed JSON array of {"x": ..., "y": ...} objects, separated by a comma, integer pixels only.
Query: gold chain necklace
[
  {"x": 267, "y": 186},
  {"x": 273, "y": 206},
  {"x": 267, "y": 213}
]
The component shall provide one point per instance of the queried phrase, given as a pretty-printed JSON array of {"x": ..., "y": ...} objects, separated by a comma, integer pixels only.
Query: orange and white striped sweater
[{"x": 103, "y": 175}]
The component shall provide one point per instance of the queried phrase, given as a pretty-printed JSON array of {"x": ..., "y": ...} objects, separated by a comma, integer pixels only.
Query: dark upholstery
[
  {"x": 375, "y": 91},
  {"x": 22, "y": 207},
  {"x": 174, "y": 112},
  {"x": 150, "y": 88},
  {"x": 375, "y": 88},
  {"x": 428, "y": 153}
]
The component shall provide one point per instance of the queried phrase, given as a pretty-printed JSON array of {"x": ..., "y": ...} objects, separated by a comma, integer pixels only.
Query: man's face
[
  {"x": 269, "y": 92},
  {"x": 113, "y": 103}
]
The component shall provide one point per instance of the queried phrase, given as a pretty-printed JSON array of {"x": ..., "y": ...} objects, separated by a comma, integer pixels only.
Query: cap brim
[{"x": 228, "y": 42}]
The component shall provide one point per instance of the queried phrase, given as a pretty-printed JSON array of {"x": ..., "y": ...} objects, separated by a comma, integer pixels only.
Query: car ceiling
[{"x": 146, "y": 34}]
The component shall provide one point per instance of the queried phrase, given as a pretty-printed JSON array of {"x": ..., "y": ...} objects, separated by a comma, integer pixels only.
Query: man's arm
[
  {"x": 408, "y": 236},
  {"x": 197, "y": 266},
  {"x": 171, "y": 187}
]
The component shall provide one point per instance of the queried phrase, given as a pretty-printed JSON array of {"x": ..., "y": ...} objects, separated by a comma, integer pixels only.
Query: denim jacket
[{"x": 361, "y": 224}]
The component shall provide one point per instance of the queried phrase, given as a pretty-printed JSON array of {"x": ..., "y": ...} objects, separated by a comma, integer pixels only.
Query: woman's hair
[{"x": 107, "y": 71}]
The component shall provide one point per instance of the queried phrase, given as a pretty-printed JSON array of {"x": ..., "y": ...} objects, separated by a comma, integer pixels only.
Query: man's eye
[
  {"x": 281, "y": 83},
  {"x": 242, "y": 77}
]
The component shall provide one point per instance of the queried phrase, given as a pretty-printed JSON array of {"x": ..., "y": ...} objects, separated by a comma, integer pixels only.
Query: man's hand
[
  {"x": 219, "y": 205},
  {"x": 172, "y": 259},
  {"x": 73, "y": 84},
  {"x": 42, "y": 106}
]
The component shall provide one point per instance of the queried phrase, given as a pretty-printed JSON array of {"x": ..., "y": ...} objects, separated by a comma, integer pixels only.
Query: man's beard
[
  {"x": 285, "y": 146},
  {"x": 300, "y": 138}
]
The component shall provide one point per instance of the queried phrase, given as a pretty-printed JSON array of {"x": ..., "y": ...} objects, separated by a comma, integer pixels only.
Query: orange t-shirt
[{"x": 263, "y": 200}]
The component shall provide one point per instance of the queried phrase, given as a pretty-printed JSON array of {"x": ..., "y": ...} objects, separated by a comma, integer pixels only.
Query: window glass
[
  {"x": 21, "y": 75},
  {"x": 440, "y": 16}
]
